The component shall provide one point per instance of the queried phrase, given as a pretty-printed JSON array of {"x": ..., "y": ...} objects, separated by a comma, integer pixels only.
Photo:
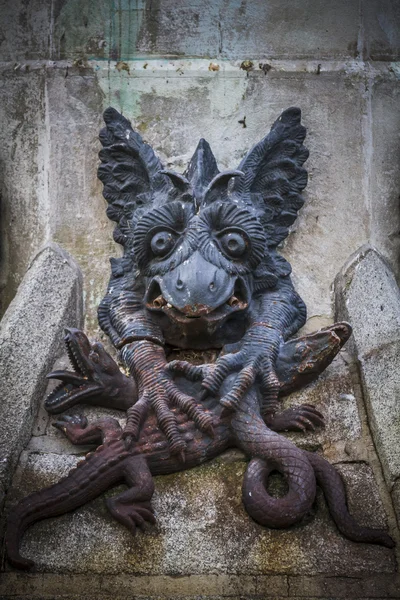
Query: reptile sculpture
[{"x": 200, "y": 270}]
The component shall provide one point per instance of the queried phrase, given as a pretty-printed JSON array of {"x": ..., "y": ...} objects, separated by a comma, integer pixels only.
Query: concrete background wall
[{"x": 64, "y": 61}]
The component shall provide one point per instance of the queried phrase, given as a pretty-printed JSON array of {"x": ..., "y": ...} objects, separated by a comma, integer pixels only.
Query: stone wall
[{"x": 174, "y": 68}]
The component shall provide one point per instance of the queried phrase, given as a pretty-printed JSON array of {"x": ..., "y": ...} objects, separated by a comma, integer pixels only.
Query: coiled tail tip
[
  {"x": 335, "y": 494},
  {"x": 13, "y": 537},
  {"x": 366, "y": 535},
  {"x": 19, "y": 562},
  {"x": 386, "y": 540}
]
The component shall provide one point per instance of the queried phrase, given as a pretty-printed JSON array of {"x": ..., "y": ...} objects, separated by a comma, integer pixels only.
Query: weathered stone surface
[
  {"x": 78, "y": 221},
  {"x": 236, "y": 30},
  {"x": 369, "y": 298},
  {"x": 396, "y": 499},
  {"x": 262, "y": 30},
  {"x": 382, "y": 167},
  {"x": 381, "y": 22},
  {"x": 25, "y": 30},
  {"x": 130, "y": 587},
  {"x": 24, "y": 202},
  {"x": 378, "y": 586},
  {"x": 381, "y": 378},
  {"x": 31, "y": 333}
]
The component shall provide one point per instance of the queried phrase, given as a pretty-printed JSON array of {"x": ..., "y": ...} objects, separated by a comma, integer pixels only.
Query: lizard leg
[
  {"x": 132, "y": 507},
  {"x": 77, "y": 429}
]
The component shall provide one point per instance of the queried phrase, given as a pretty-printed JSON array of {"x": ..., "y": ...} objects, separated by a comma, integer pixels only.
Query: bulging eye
[
  {"x": 162, "y": 243},
  {"x": 234, "y": 243}
]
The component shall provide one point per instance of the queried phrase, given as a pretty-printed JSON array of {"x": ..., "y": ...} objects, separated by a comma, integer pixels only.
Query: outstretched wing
[
  {"x": 273, "y": 177},
  {"x": 131, "y": 174}
]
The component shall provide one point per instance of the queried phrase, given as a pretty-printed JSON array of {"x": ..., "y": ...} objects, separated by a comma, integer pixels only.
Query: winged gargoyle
[{"x": 200, "y": 270}]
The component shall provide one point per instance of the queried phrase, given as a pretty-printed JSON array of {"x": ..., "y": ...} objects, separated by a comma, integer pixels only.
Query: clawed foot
[
  {"x": 79, "y": 431},
  {"x": 131, "y": 515},
  {"x": 71, "y": 425},
  {"x": 297, "y": 418},
  {"x": 158, "y": 391},
  {"x": 250, "y": 364}
]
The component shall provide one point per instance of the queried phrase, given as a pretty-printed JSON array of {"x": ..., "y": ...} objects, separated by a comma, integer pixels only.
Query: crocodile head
[{"x": 95, "y": 376}]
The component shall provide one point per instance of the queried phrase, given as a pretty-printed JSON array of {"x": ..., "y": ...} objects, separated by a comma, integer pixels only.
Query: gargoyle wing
[
  {"x": 273, "y": 177},
  {"x": 131, "y": 174}
]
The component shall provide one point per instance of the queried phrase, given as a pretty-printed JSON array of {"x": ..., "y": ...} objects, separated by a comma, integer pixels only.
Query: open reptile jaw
[{"x": 77, "y": 385}]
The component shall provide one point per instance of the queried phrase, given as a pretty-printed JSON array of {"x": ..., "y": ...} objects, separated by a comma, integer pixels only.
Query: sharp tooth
[{"x": 169, "y": 305}]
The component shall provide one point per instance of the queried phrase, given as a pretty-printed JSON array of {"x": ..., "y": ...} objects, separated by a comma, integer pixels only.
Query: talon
[
  {"x": 226, "y": 413},
  {"x": 191, "y": 372},
  {"x": 307, "y": 423},
  {"x": 230, "y": 405},
  {"x": 128, "y": 440},
  {"x": 204, "y": 394},
  {"x": 302, "y": 428}
]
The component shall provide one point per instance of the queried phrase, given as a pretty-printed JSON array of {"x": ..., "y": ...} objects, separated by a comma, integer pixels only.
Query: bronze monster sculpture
[{"x": 200, "y": 270}]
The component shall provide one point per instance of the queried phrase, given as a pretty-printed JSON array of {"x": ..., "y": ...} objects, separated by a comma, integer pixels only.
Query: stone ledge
[
  {"x": 368, "y": 297},
  {"x": 31, "y": 333},
  {"x": 210, "y": 587}
]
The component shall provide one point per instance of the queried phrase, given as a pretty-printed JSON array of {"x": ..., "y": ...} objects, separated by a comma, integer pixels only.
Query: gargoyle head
[{"x": 202, "y": 242}]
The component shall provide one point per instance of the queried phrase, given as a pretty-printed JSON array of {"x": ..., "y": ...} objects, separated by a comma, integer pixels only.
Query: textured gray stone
[
  {"x": 369, "y": 298},
  {"x": 378, "y": 586},
  {"x": 380, "y": 371},
  {"x": 396, "y": 499},
  {"x": 25, "y": 29},
  {"x": 31, "y": 334},
  {"x": 383, "y": 173},
  {"x": 206, "y": 28},
  {"x": 23, "y": 156},
  {"x": 381, "y": 27}
]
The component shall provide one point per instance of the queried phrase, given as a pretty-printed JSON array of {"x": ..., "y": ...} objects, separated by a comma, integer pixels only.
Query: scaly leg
[{"x": 132, "y": 508}]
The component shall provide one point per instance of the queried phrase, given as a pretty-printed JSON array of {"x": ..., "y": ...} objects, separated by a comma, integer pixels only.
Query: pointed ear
[
  {"x": 218, "y": 188},
  {"x": 179, "y": 181}
]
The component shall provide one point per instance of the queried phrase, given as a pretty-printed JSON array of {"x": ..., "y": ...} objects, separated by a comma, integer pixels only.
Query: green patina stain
[{"x": 98, "y": 29}]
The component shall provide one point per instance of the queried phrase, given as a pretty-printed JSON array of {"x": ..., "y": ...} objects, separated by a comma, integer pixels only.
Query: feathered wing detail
[
  {"x": 131, "y": 173},
  {"x": 273, "y": 177},
  {"x": 133, "y": 184}
]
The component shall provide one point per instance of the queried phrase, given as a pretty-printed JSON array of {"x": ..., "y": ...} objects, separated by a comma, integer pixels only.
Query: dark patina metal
[{"x": 200, "y": 270}]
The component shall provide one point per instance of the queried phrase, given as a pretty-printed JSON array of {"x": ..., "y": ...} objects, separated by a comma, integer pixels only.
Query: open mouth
[
  {"x": 78, "y": 384},
  {"x": 238, "y": 300}
]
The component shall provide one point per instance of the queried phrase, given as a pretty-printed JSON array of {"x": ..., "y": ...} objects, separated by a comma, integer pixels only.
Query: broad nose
[{"x": 196, "y": 287}]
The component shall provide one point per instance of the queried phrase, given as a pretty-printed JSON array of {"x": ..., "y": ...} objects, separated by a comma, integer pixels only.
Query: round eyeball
[
  {"x": 162, "y": 243},
  {"x": 234, "y": 244}
]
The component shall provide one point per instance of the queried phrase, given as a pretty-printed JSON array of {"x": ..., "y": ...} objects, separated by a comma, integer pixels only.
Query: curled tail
[
  {"x": 334, "y": 491},
  {"x": 82, "y": 484},
  {"x": 272, "y": 452}
]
